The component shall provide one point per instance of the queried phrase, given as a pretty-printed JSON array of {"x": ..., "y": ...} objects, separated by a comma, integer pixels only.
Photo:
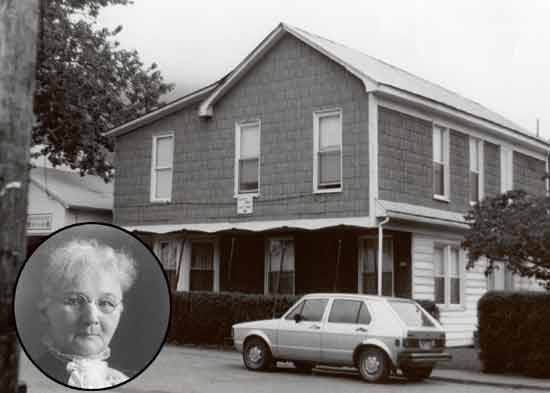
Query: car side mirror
[{"x": 298, "y": 318}]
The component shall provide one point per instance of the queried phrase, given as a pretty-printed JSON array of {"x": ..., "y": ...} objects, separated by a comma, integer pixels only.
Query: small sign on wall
[
  {"x": 39, "y": 222},
  {"x": 245, "y": 204}
]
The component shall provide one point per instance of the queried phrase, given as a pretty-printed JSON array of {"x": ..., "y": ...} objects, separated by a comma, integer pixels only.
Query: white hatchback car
[{"x": 378, "y": 335}]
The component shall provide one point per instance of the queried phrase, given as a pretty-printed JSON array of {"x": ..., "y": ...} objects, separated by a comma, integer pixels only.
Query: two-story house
[{"x": 315, "y": 167}]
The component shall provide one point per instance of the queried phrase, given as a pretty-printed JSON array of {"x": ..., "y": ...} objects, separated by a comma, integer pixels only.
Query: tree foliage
[
  {"x": 86, "y": 85},
  {"x": 513, "y": 228}
]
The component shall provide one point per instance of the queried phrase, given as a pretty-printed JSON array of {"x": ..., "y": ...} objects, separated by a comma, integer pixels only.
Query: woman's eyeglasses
[{"x": 78, "y": 300}]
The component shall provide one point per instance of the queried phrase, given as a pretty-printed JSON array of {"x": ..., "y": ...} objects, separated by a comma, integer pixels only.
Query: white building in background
[{"x": 61, "y": 197}]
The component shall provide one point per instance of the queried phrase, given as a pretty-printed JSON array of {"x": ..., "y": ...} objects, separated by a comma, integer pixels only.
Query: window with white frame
[
  {"x": 167, "y": 252},
  {"x": 247, "y": 165},
  {"x": 368, "y": 266},
  {"x": 201, "y": 274},
  {"x": 161, "y": 168},
  {"x": 327, "y": 156},
  {"x": 476, "y": 170},
  {"x": 280, "y": 266},
  {"x": 447, "y": 275},
  {"x": 506, "y": 169},
  {"x": 441, "y": 182},
  {"x": 501, "y": 278}
]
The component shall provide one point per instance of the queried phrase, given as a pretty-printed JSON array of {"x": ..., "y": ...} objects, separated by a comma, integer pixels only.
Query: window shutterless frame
[
  {"x": 450, "y": 250},
  {"x": 476, "y": 174},
  {"x": 267, "y": 261},
  {"x": 441, "y": 158},
  {"x": 155, "y": 169},
  {"x": 333, "y": 150},
  {"x": 241, "y": 158}
]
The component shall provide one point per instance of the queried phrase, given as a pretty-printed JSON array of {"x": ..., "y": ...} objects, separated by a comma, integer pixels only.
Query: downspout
[{"x": 380, "y": 245}]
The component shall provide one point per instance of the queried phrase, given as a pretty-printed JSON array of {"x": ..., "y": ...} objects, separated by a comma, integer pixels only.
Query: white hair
[{"x": 80, "y": 256}]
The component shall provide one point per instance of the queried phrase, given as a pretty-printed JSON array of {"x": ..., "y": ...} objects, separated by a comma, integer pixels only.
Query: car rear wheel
[
  {"x": 373, "y": 365},
  {"x": 256, "y": 354},
  {"x": 303, "y": 367},
  {"x": 417, "y": 373}
]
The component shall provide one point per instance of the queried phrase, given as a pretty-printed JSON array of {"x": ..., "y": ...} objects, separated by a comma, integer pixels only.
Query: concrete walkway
[{"x": 498, "y": 380}]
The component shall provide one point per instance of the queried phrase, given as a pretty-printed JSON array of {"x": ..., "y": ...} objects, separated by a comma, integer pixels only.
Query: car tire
[
  {"x": 374, "y": 365},
  {"x": 256, "y": 354},
  {"x": 417, "y": 373},
  {"x": 303, "y": 367}
]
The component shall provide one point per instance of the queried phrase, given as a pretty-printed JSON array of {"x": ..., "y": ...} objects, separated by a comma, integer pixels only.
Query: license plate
[{"x": 425, "y": 344}]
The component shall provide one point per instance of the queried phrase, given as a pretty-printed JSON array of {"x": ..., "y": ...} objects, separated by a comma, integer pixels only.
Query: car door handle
[
  {"x": 316, "y": 327},
  {"x": 361, "y": 329}
]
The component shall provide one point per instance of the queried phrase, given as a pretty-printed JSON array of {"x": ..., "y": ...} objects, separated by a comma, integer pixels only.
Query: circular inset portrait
[{"x": 92, "y": 306}]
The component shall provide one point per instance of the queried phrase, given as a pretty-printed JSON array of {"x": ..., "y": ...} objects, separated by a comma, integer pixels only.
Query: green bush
[
  {"x": 206, "y": 317},
  {"x": 514, "y": 332}
]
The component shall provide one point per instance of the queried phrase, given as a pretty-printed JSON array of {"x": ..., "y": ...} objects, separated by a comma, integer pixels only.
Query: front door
[{"x": 302, "y": 340}]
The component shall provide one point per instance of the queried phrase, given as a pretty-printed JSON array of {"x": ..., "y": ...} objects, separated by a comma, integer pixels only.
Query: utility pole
[{"x": 18, "y": 35}]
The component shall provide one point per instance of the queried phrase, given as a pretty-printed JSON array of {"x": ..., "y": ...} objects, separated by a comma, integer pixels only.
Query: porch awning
[
  {"x": 421, "y": 214},
  {"x": 255, "y": 226}
]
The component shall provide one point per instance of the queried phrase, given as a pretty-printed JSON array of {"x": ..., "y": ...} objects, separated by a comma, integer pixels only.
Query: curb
[{"x": 488, "y": 383}]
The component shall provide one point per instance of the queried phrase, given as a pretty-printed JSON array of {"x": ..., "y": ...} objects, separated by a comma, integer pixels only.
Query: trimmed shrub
[
  {"x": 206, "y": 317},
  {"x": 514, "y": 332}
]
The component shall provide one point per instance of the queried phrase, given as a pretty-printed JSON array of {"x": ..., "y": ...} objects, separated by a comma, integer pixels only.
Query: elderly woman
[{"x": 83, "y": 288}]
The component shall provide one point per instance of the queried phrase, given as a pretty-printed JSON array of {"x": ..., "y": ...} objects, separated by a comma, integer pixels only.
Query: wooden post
[{"x": 18, "y": 35}]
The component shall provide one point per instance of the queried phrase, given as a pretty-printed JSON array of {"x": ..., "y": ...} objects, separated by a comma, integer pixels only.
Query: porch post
[{"x": 380, "y": 245}]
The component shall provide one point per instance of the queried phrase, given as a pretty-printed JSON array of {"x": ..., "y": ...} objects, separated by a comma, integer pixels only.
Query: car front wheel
[
  {"x": 417, "y": 373},
  {"x": 373, "y": 365},
  {"x": 256, "y": 354}
]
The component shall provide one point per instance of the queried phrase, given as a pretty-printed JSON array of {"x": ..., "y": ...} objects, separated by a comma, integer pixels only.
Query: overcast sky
[{"x": 494, "y": 52}]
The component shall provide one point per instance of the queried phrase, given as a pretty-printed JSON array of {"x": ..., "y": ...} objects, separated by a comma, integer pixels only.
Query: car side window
[
  {"x": 344, "y": 311},
  {"x": 296, "y": 310},
  {"x": 313, "y": 309},
  {"x": 364, "y": 317}
]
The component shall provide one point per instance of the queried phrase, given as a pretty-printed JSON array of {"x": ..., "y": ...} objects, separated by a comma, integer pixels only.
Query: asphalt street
[{"x": 191, "y": 370}]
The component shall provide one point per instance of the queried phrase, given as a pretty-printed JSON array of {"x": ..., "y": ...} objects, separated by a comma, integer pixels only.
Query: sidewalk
[{"x": 498, "y": 380}]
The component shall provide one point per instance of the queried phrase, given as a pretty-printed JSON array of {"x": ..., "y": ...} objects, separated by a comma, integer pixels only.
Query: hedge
[
  {"x": 207, "y": 317},
  {"x": 514, "y": 332}
]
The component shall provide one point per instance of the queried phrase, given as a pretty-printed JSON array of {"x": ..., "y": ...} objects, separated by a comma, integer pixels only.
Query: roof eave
[
  {"x": 165, "y": 110},
  {"x": 395, "y": 93}
]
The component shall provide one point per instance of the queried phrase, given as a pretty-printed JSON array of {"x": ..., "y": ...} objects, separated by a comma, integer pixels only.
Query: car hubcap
[
  {"x": 255, "y": 354},
  {"x": 372, "y": 364}
]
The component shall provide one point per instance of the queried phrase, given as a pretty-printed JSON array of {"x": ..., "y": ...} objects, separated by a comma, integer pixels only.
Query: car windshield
[{"x": 411, "y": 313}]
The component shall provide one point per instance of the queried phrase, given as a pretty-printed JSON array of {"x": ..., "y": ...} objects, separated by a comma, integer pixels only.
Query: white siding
[{"x": 459, "y": 323}]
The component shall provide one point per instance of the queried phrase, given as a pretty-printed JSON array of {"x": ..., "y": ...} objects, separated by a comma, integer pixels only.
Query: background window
[
  {"x": 369, "y": 266},
  {"x": 447, "y": 275},
  {"x": 202, "y": 267},
  {"x": 248, "y": 157},
  {"x": 161, "y": 176},
  {"x": 440, "y": 161},
  {"x": 476, "y": 169},
  {"x": 439, "y": 275},
  {"x": 281, "y": 266},
  {"x": 167, "y": 256},
  {"x": 328, "y": 150}
]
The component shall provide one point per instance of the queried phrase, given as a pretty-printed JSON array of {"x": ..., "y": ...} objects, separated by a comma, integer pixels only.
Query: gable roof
[
  {"x": 376, "y": 75},
  {"x": 72, "y": 190}
]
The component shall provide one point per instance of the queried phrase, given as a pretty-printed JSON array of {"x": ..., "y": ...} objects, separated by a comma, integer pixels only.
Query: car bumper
[{"x": 419, "y": 358}]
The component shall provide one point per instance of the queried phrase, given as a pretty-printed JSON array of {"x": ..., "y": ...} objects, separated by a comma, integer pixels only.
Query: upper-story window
[
  {"x": 247, "y": 158},
  {"x": 327, "y": 155},
  {"x": 506, "y": 169},
  {"x": 476, "y": 170},
  {"x": 161, "y": 168},
  {"x": 441, "y": 182}
]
